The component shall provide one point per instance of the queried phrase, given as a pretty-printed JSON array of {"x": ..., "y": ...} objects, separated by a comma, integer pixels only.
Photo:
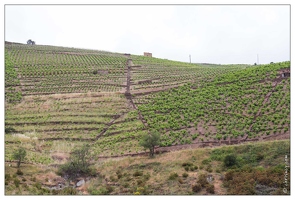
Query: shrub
[
  {"x": 229, "y": 160},
  {"x": 19, "y": 155},
  {"x": 24, "y": 180},
  {"x": 202, "y": 180},
  {"x": 100, "y": 191},
  {"x": 246, "y": 168},
  {"x": 185, "y": 175},
  {"x": 37, "y": 185},
  {"x": 19, "y": 172},
  {"x": 119, "y": 174},
  {"x": 187, "y": 164},
  {"x": 67, "y": 191},
  {"x": 260, "y": 156},
  {"x": 125, "y": 185},
  {"x": 209, "y": 169},
  {"x": 229, "y": 175},
  {"x": 191, "y": 168},
  {"x": 9, "y": 130},
  {"x": 109, "y": 189},
  {"x": 78, "y": 164},
  {"x": 173, "y": 176},
  {"x": 138, "y": 173},
  {"x": 43, "y": 191},
  {"x": 16, "y": 182},
  {"x": 197, "y": 188},
  {"x": 112, "y": 178},
  {"x": 146, "y": 176},
  {"x": 186, "y": 168},
  {"x": 7, "y": 177},
  {"x": 210, "y": 188},
  {"x": 255, "y": 181},
  {"x": 206, "y": 161}
]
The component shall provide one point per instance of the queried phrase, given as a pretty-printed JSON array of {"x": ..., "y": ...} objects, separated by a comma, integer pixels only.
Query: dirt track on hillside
[{"x": 160, "y": 150}]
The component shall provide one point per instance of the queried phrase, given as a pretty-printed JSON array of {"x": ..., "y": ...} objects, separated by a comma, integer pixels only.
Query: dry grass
[
  {"x": 160, "y": 168},
  {"x": 60, "y": 156},
  {"x": 69, "y": 96}
]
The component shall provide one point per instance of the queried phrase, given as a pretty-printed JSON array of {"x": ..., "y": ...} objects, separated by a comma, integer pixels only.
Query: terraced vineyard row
[
  {"x": 154, "y": 73},
  {"x": 107, "y": 121},
  {"x": 49, "y": 70},
  {"x": 12, "y": 90},
  {"x": 241, "y": 105}
]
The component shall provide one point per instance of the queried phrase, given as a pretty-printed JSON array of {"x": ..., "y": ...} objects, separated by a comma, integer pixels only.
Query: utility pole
[{"x": 190, "y": 61}]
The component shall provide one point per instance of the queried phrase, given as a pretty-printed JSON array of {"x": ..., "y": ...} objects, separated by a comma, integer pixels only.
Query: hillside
[
  {"x": 259, "y": 170},
  {"x": 57, "y": 98},
  {"x": 252, "y": 104}
]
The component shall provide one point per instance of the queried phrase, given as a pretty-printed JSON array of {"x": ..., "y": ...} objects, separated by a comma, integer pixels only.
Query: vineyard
[
  {"x": 51, "y": 70},
  {"x": 152, "y": 74},
  {"x": 252, "y": 104},
  {"x": 60, "y": 97}
]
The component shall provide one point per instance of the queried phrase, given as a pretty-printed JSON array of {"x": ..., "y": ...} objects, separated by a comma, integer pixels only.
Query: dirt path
[
  {"x": 128, "y": 95},
  {"x": 213, "y": 144},
  {"x": 154, "y": 90},
  {"x": 108, "y": 125},
  {"x": 130, "y": 63},
  {"x": 219, "y": 190}
]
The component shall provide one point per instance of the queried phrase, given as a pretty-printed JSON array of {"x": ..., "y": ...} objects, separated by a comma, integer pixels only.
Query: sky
[{"x": 220, "y": 34}]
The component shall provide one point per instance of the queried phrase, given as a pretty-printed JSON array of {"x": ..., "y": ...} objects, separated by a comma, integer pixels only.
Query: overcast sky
[{"x": 209, "y": 33}]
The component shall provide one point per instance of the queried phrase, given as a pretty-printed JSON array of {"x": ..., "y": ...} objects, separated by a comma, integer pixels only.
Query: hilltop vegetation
[{"x": 57, "y": 99}]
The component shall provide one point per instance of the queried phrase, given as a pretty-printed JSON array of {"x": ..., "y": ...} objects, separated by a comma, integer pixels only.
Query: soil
[
  {"x": 219, "y": 190},
  {"x": 201, "y": 130}
]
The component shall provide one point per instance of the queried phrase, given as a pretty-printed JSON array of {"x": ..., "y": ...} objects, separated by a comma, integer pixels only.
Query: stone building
[{"x": 147, "y": 54}]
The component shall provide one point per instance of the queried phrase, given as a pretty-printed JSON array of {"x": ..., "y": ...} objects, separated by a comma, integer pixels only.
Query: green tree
[
  {"x": 19, "y": 155},
  {"x": 149, "y": 141},
  {"x": 79, "y": 163},
  {"x": 229, "y": 160}
]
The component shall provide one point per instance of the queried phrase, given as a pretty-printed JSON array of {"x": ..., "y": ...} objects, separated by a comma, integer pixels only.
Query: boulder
[{"x": 80, "y": 183}]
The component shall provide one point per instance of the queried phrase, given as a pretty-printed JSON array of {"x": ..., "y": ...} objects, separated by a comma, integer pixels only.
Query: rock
[
  {"x": 80, "y": 183},
  {"x": 209, "y": 178}
]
